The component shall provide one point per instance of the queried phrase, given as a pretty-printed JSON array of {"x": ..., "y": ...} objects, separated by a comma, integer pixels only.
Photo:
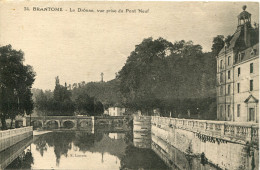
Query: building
[
  {"x": 116, "y": 135},
  {"x": 116, "y": 111},
  {"x": 238, "y": 74}
]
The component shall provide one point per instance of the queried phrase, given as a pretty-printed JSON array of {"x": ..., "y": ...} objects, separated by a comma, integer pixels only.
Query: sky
[{"x": 78, "y": 46}]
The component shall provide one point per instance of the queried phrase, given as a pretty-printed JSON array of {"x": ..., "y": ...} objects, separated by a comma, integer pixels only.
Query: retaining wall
[
  {"x": 13, "y": 136},
  {"x": 229, "y": 145}
]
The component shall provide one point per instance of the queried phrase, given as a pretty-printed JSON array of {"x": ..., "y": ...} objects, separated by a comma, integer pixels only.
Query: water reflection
[
  {"x": 18, "y": 151},
  {"x": 176, "y": 159},
  {"x": 79, "y": 147},
  {"x": 141, "y": 158},
  {"x": 23, "y": 161},
  {"x": 99, "y": 150}
]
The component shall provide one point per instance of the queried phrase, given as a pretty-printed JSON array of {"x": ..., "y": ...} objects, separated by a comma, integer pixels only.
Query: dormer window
[
  {"x": 253, "y": 52},
  {"x": 242, "y": 56},
  {"x": 239, "y": 57}
]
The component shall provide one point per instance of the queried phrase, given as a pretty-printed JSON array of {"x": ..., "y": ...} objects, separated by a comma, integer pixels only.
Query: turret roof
[{"x": 244, "y": 15}]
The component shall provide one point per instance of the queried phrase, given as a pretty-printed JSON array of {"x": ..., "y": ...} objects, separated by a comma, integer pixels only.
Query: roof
[
  {"x": 235, "y": 41},
  {"x": 244, "y": 15},
  {"x": 248, "y": 53}
]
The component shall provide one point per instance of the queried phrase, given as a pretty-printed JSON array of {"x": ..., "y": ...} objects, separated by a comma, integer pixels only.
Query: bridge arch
[
  {"x": 37, "y": 124},
  {"x": 69, "y": 124},
  {"x": 85, "y": 123},
  {"x": 49, "y": 123}
]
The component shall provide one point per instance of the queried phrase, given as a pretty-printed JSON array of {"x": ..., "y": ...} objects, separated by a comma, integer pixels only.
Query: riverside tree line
[
  {"x": 174, "y": 78},
  {"x": 66, "y": 102}
]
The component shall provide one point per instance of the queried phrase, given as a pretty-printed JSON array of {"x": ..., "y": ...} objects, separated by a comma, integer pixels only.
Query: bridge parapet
[
  {"x": 241, "y": 132},
  {"x": 78, "y": 121}
]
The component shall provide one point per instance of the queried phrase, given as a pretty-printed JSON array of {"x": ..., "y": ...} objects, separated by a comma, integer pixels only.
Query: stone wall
[
  {"x": 13, "y": 136},
  {"x": 225, "y": 144}
]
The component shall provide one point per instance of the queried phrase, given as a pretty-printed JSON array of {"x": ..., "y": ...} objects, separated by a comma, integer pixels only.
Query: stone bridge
[{"x": 74, "y": 122}]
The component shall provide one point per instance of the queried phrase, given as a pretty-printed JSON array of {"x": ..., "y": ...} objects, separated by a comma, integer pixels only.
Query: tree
[
  {"x": 41, "y": 102},
  {"x": 144, "y": 73},
  {"x": 169, "y": 77},
  {"x": 88, "y": 105},
  {"x": 218, "y": 44},
  {"x": 84, "y": 104},
  {"x": 16, "y": 81},
  {"x": 62, "y": 103}
]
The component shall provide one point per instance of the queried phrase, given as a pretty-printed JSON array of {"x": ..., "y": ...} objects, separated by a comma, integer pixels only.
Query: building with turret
[{"x": 238, "y": 74}]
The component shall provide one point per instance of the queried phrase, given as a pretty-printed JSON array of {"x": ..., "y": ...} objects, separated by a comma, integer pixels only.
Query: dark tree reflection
[
  {"x": 41, "y": 144},
  {"x": 85, "y": 140},
  {"x": 24, "y": 161},
  {"x": 60, "y": 141},
  {"x": 137, "y": 158}
]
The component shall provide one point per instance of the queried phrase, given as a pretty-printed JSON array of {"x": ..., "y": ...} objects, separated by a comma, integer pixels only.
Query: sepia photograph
[{"x": 129, "y": 85}]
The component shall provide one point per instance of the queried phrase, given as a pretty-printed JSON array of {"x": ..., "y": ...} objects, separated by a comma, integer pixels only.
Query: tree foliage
[
  {"x": 160, "y": 74},
  {"x": 64, "y": 101},
  {"x": 174, "y": 77},
  {"x": 105, "y": 92},
  {"x": 16, "y": 81}
]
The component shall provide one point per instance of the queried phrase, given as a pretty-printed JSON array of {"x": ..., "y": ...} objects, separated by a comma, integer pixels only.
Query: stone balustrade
[
  {"x": 13, "y": 136},
  {"x": 241, "y": 132}
]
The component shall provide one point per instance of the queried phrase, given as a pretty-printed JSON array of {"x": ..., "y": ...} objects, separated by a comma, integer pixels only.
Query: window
[
  {"x": 221, "y": 64},
  {"x": 221, "y": 110},
  {"x": 238, "y": 87},
  {"x": 251, "y": 85},
  {"x": 229, "y": 60},
  {"x": 238, "y": 110},
  {"x": 221, "y": 77},
  {"x": 253, "y": 52},
  {"x": 238, "y": 71},
  {"x": 228, "y": 89},
  {"x": 221, "y": 90},
  {"x": 251, "y": 114},
  {"x": 228, "y": 110},
  {"x": 228, "y": 74},
  {"x": 239, "y": 57},
  {"x": 242, "y": 55},
  {"x": 251, "y": 68}
]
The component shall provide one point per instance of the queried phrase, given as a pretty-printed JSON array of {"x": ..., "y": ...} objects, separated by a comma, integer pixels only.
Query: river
[{"x": 74, "y": 149}]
